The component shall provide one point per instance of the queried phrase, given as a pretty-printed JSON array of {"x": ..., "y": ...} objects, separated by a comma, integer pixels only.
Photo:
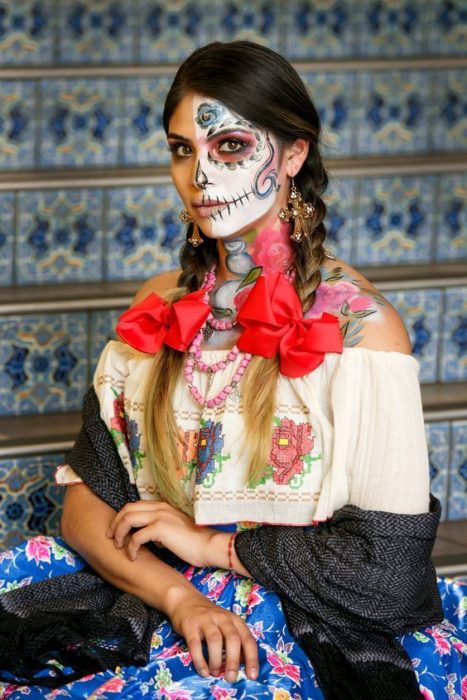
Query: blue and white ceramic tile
[
  {"x": 392, "y": 113},
  {"x": 447, "y": 27},
  {"x": 421, "y": 312},
  {"x": 26, "y": 32},
  {"x": 332, "y": 96},
  {"x": 7, "y": 234},
  {"x": 255, "y": 20},
  {"x": 144, "y": 234},
  {"x": 451, "y": 217},
  {"x": 102, "y": 330},
  {"x": 457, "y": 508},
  {"x": 340, "y": 221},
  {"x": 320, "y": 29},
  {"x": 43, "y": 363},
  {"x": 395, "y": 220},
  {"x": 144, "y": 140},
  {"x": 449, "y": 110},
  {"x": 30, "y": 501},
  {"x": 59, "y": 236},
  {"x": 80, "y": 122},
  {"x": 391, "y": 28},
  {"x": 437, "y": 435},
  {"x": 96, "y": 31},
  {"x": 454, "y": 336},
  {"x": 169, "y": 31},
  {"x": 18, "y": 108}
]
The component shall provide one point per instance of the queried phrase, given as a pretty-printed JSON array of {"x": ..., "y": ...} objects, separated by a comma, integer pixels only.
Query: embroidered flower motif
[
  {"x": 117, "y": 421},
  {"x": 134, "y": 440},
  {"x": 290, "y": 443},
  {"x": 187, "y": 444},
  {"x": 210, "y": 444}
]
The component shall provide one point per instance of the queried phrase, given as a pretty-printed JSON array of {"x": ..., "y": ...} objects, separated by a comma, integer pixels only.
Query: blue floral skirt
[{"x": 438, "y": 653}]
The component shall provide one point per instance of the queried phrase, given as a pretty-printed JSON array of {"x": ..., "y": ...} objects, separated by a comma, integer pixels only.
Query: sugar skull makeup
[{"x": 236, "y": 168}]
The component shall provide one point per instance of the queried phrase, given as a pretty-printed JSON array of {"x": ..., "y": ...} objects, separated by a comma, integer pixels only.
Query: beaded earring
[
  {"x": 195, "y": 238},
  {"x": 297, "y": 211}
]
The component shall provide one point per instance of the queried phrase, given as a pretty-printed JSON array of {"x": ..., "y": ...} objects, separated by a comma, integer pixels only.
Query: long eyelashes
[{"x": 225, "y": 148}]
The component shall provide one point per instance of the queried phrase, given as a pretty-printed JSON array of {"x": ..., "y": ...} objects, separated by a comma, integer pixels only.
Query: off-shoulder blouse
[{"x": 351, "y": 431}]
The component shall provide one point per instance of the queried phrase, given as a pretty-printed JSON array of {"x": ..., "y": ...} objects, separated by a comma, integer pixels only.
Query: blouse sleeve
[{"x": 379, "y": 432}]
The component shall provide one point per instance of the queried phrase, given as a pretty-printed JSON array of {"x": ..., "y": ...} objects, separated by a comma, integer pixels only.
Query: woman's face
[{"x": 226, "y": 171}]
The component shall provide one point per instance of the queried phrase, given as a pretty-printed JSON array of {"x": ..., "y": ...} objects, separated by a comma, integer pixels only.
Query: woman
[{"x": 254, "y": 445}]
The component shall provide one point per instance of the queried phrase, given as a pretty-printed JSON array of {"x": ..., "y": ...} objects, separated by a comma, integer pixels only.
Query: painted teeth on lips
[{"x": 210, "y": 207}]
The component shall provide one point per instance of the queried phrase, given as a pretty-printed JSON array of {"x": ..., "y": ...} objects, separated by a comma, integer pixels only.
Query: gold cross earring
[{"x": 297, "y": 211}]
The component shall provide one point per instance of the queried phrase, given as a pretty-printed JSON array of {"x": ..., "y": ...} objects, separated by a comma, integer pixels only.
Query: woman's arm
[{"x": 85, "y": 522}]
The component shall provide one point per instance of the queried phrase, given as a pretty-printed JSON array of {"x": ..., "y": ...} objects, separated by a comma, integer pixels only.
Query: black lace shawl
[{"x": 348, "y": 587}]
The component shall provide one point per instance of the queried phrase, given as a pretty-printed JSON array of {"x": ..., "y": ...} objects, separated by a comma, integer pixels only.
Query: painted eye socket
[
  {"x": 231, "y": 146},
  {"x": 180, "y": 150}
]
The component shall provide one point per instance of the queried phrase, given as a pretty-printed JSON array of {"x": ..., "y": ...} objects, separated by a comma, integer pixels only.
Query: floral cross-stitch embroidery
[
  {"x": 187, "y": 446},
  {"x": 125, "y": 431},
  {"x": 210, "y": 458}
]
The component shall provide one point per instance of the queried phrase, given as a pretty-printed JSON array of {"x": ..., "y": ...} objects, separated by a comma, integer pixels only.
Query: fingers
[
  {"x": 249, "y": 648},
  {"x": 196, "y": 651}
]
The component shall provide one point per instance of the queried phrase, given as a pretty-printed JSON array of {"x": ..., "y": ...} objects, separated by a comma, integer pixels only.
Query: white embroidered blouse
[{"x": 351, "y": 431}]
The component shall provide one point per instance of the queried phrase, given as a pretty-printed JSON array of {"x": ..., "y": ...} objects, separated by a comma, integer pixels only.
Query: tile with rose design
[
  {"x": 30, "y": 501},
  {"x": 43, "y": 363}
]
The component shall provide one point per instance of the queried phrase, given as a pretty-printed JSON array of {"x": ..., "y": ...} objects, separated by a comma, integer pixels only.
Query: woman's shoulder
[
  {"x": 367, "y": 319},
  {"x": 159, "y": 284}
]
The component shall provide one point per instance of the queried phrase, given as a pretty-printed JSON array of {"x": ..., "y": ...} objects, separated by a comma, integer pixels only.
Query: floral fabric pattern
[
  {"x": 439, "y": 653},
  {"x": 188, "y": 447}
]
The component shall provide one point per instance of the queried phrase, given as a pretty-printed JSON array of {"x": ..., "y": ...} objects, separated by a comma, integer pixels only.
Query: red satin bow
[
  {"x": 272, "y": 316},
  {"x": 152, "y": 322}
]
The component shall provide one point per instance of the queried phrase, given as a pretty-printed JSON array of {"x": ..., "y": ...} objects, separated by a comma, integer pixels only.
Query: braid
[{"x": 195, "y": 262}]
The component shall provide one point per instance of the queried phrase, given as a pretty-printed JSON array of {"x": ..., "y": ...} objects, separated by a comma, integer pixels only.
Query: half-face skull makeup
[{"x": 236, "y": 169}]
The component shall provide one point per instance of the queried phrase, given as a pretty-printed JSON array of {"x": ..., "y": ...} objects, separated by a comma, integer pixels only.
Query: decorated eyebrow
[{"x": 232, "y": 131}]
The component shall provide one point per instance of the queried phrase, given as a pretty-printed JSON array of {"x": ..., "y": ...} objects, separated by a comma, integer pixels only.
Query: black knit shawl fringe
[{"x": 347, "y": 587}]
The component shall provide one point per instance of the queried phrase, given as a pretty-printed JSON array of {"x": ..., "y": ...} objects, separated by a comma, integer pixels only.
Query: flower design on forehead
[{"x": 209, "y": 114}]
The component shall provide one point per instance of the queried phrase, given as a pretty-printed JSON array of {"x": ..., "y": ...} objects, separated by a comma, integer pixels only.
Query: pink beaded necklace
[{"x": 195, "y": 360}]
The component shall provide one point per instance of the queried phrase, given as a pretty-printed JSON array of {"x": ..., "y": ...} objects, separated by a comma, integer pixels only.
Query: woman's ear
[{"x": 295, "y": 155}]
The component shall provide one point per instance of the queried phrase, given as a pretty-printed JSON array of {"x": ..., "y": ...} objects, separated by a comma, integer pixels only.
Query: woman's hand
[
  {"x": 197, "y": 619},
  {"x": 164, "y": 525}
]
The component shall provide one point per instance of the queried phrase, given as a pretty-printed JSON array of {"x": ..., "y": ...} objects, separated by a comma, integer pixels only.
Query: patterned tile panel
[
  {"x": 80, "y": 122},
  {"x": 447, "y": 26},
  {"x": 144, "y": 139},
  {"x": 43, "y": 363},
  {"x": 59, "y": 236},
  {"x": 438, "y": 435},
  {"x": 26, "y": 32},
  {"x": 454, "y": 336},
  {"x": 144, "y": 233},
  {"x": 457, "y": 508},
  {"x": 391, "y": 28},
  {"x": 169, "y": 32},
  {"x": 256, "y": 20},
  {"x": 18, "y": 109},
  {"x": 395, "y": 220},
  {"x": 451, "y": 217},
  {"x": 320, "y": 29},
  {"x": 30, "y": 502},
  {"x": 392, "y": 113},
  {"x": 449, "y": 110},
  {"x": 339, "y": 221},
  {"x": 332, "y": 95},
  {"x": 421, "y": 312},
  {"x": 102, "y": 330},
  {"x": 96, "y": 31},
  {"x": 7, "y": 211}
]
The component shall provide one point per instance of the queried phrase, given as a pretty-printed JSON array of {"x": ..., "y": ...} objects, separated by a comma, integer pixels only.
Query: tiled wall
[{"x": 107, "y": 233}]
